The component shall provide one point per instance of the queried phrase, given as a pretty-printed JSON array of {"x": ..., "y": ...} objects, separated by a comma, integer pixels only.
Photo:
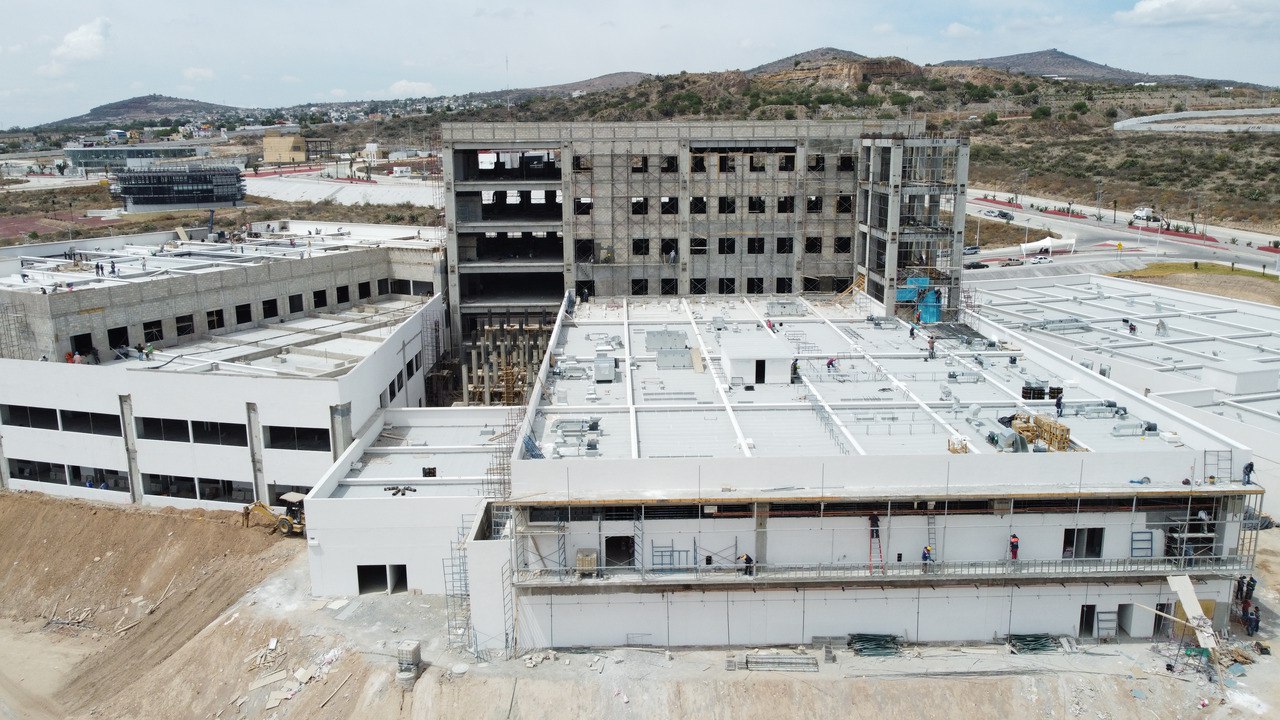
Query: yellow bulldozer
[{"x": 293, "y": 520}]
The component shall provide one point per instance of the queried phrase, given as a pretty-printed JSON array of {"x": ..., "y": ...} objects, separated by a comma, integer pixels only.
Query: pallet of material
[{"x": 785, "y": 663}]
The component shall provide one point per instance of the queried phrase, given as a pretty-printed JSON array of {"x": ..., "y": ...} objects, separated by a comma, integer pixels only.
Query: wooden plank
[
  {"x": 1181, "y": 585},
  {"x": 274, "y": 677}
]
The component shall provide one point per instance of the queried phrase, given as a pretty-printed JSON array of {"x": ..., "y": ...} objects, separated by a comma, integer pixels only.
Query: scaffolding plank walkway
[{"x": 782, "y": 663}]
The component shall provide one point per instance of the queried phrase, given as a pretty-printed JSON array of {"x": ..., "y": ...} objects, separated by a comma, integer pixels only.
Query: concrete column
[
  {"x": 255, "y": 452},
  {"x": 340, "y": 428},
  {"x": 4, "y": 468},
  {"x": 762, "y": 532},
  {"x": 131, "y": 448}
]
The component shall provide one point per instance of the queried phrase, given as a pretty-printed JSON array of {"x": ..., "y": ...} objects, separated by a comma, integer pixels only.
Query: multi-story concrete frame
[{"x": 692, "y": 208}]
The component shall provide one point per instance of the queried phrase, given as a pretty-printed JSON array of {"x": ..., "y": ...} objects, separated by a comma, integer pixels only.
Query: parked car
[
  {"x": 1041, "y": 260},
  {"x": 975, "y": 265},
  {"x": 1004, "y": 214},
  {"x": 971, "y": 250},
  {"x": 1145, "y": 214},
  {"x": 1012, "y": 262},
  {"x": 991, "y": 213}
]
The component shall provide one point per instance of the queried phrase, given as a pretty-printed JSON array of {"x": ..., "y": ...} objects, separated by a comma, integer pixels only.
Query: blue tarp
[
  {"x": 911, "y": 291},
  {"x": 931, "y": 307}
]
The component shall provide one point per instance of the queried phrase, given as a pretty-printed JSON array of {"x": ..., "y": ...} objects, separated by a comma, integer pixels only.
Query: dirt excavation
[{"x": 141, "y": 613}]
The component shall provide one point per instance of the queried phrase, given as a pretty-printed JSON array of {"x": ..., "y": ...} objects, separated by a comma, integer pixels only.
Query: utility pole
[{"x": 1098, "y": 194}]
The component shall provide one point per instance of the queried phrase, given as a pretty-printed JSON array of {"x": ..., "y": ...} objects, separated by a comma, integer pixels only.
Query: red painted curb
[{"x": 998, "y": 202}]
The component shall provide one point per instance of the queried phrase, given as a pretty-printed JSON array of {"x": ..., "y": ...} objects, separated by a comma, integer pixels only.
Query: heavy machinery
[{"x": 293, "y": 520}]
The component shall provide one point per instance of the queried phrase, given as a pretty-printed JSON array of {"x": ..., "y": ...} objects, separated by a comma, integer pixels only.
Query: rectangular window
[
  {"x": 581, "y": 163},
  {"x": 698, "y": 163},
  {"x": 400, "y": 380},
  {"x": 813, "y": 246},
  {"x": 585, "y": 288},
  {"x": 295, "y": 304},
  {"x": 669, "y": 286},
  {"x": 817, "y": 162},
  {"x": 169, "y": 485},
  {"x": 697, "y": 206},
  {"x": 1081, "y": 543},
  {"x": 216, "y": 433},
  {"x": 118, "y": 336},
  {"x": 728, "y": 205},
  {"x": 786, "y": 162},
  {"x": 697, "y": 286},
  {"x": 670, "y": 163},
  {"x": 639, "y": 206},
  {"x": 844, "y": 204},
  {"x": 319, "y": 299},
  {"x": 214, "y": 319},
  {"x": 363, "y": 290},
  {"x": 584, "y": 250},
  {"x": 99, "y": 478},
  {"x": 640, "y": 246},
  {"x": 755, "y": 246},
  {"x": 244, "y": 314},
  {"x": 782, "y": 286},
  {"x": 840, "y": 284},
  {"x": 270, "y": 308},
  {"x": 344, "y": 294},
  {"x": 401, "y": 287},
  {"x": 786, "y": 204},
  {"x": 812, "y": 284},
  {"x": 225, "y": 490},
  {"x": 755, "y": 286},
  {"x": 186, "y": 325},
  {"x": 668, "y": 205},
  {"x": 757, "y": 162},
  {"x": 91, "y": 423},
  {"x": 813, "y": 204},
  {"x": 755, "y": 204},
  {"x": 281, "y": 437},
  {"x": 37, "y": 471},
  {"x": 152, "y": 331},
  {"x": 846, "y": 163},
  {"x": 844, "y": 245},
  {"x": 383, "y": 286},
  {"x": 639, "y": 163},
  {"x": 697, "y": 246},
  {"x": 410, "y": 369},
  {"x": 786, "y": 246},
  {"x": 639, "y": 286},
  {"x": 32, "y": 417},
  {"x": 728, "y": 286},
  {"x": 728, "y": 246},
  {"x": 668, "y": 250},
  {"x": 391, "y": 391},
  {"x": 728, "y": 163},
  {"x": 168, "y": 429}
]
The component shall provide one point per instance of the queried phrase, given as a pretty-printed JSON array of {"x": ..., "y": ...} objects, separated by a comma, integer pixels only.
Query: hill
[
  {"x": 1054, "y": 62},
  {"x": 787, "y": 63},
  {"x": 611, "y": 81},
  {"x": 143, "y": 107}
]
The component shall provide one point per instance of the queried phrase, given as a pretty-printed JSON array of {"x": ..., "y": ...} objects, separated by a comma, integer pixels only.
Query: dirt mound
[{"x": 93, "y": 570}]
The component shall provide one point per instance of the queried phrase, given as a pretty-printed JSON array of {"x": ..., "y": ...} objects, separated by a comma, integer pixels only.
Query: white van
[{"x": 1145, "y": 213}]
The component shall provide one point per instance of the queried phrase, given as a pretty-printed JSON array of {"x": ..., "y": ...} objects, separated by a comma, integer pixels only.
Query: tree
[
  {"x": 1081, "y": 107},
  {"x": 1041, "y": 113},
  {"x": 62, "y": 167},
  {"x": 990, "y": 119}
]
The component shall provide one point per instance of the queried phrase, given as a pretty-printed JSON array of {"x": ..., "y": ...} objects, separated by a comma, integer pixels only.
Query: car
[
  {"x": 991, "y": 213},
  {"x": 971, "y": 250},
  {"x": 1004, "y": 214},
  {"x": 1012, "y": 262},
  {"x": 1145, "y": 214},
  {"x": 975, "y": 265},
  {"x": 1041, "y": 260}
]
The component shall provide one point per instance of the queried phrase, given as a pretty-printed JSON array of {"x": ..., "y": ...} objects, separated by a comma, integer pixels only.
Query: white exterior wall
[
  {"x": 790, "y": 617},
  {"x": 486, "y": 560}
]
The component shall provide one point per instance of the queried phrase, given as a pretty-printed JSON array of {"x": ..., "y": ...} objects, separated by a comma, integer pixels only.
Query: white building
[
  {"x": 620, "y": 511},
  {"x": 265, "y": 357}
]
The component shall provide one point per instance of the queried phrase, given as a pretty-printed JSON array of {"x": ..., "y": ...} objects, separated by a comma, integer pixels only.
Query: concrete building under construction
[{"x": 700, "y": 208}]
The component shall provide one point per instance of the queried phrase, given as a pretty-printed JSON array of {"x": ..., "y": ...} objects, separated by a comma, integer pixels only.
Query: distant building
[
  {"x": 278, "y": 148},
  {"x": 171, "y": 188},
  {"x": 109, "y": 157}
]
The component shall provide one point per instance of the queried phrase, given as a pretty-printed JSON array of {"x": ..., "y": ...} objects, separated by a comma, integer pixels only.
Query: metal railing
[{"x": 877, "y": 573}]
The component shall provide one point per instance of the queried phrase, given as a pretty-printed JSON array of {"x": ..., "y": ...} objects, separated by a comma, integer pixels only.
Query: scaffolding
[
  {"x": 457, "y": 591},
  {"x": 15, "y": 334},
  {"x": 504, "y": 359}
]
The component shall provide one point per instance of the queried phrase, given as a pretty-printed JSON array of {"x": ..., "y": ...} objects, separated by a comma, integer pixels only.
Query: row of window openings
[
  {"x": 153, "y": 330},
  {"x": 725, "y": 286},
  {"x": 154, "y": 484},
  {"x": 729, "y": 246},
  {"x": 756, "y": 204},
  {"x": 276, "y": 437},
  {"x": 725, "y": 162},
  {"x": 411, "y": 368}
]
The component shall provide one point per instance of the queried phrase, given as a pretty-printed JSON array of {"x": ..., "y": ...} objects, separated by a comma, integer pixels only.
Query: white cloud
[
  {"x": 290, "y": 78},
  {"x": 1199, "y": 12},
  {"x": 196, "y": 74},
  {"x": 52, "y": 68},
  {"x": 882, "y": 28},
  {"x": 338, "y": 93},
  {"x": 411, "y": 88},
  {"x": 959, "y": 30},
  {"x": 86, "y": 42}
]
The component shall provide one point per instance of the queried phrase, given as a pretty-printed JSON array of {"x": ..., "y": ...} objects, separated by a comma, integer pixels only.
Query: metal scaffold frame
[{"x": 457, "y": 591}]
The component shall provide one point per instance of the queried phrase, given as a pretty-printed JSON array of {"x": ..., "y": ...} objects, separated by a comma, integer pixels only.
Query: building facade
[
  {"x": 700, "y": 208},
  {"x": 161, "y": 188}
]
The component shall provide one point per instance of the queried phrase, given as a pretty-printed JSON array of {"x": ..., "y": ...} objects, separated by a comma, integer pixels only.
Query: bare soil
[{"x": 1212, "y": 279}]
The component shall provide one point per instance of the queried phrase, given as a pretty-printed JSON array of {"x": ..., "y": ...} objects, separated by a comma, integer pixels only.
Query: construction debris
[
  {"x": 1023, "y": 644},
  {"x": 780, "y": 662},
  {"x": 874, "y": 645}
]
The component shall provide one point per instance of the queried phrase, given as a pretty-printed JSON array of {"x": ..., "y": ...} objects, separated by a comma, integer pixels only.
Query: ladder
[
  {"x": 931, "y": 521},
  {"x": 1106, "y": 621},
  {"x": 875, "y": 550}
]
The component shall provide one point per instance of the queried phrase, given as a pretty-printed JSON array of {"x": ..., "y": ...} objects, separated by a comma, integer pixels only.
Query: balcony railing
[{"x": 877, "y": 573}]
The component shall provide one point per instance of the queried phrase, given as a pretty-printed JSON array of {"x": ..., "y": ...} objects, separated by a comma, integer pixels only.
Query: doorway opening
[
  {"x": 1088, "y": 615},
  {"x": 620, "y": 551}
]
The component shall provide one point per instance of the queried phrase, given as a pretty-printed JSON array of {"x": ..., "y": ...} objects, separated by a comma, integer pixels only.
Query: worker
[
  {"x": 1058, "y": 403},
  {"x": 1251, "y": 624},
  {"x": 1249, "y": 587},
  {"x": 149, "y": 350},
  {"x": 1013, "y": 547},
  {"x": 932, "y": 354},
  {"x": 1239, "y": 591},
  {"x": 1133, "y": 329},
  {"x": 911, "y": 332},
  {"x": 875, "y": 526},
  {"x": 831, "y": 364},
  {"x": 926, "y": 557},
  {"x": 795, "y": 369},
  {"x": 1248, "y": 473},
  {"x": 748, "y": 564}
]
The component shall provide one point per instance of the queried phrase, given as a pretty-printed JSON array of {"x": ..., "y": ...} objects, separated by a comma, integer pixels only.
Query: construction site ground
[{"x": 126, "y": 612}]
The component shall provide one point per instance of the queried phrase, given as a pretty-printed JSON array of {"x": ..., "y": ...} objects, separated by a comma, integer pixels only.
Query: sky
[{"x": 60, "y": 58}]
